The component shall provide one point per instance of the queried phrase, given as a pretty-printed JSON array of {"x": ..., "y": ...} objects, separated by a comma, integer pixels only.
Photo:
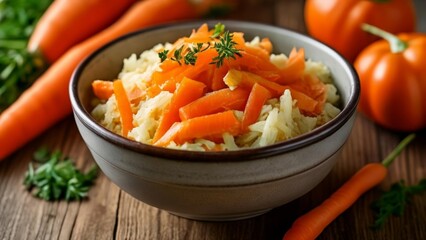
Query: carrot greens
[
  {"x": 18, "y": 67},
  {"x": 394, "y": 201},
  {"x": 56, "y": 177}
]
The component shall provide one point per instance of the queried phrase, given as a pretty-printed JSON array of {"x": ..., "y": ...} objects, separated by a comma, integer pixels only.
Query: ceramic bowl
[{"x": 225, "y": 185}]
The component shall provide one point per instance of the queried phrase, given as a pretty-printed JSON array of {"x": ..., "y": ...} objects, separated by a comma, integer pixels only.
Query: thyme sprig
[
  {"x": 56, "y": 177},
  {"x": 226, "y": 49},
  {"x": 223, "y": 44},
  {"x": 394, "y": 201}
]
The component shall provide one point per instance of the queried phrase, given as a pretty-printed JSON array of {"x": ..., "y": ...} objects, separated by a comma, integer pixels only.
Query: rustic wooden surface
[{"x": 110, "y": 213}]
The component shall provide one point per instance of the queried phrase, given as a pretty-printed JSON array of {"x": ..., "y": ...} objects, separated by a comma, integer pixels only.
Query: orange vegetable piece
[
  {"x": 188, "y": 91},
  {"x": 213, "y": 102},
  {"x": 392, "y": 74},
  {"x": 102, "y": 89},
  {"x": 124, "y": 107},
  {"x": 257, "y": 98},
  {"x": 67, "y": 23},
  {"x": 295, "y": 67},
  {"x": 201, "y": 127},
  {"x": 310, "y": 225},
  {"x": 338, "y": 23}
]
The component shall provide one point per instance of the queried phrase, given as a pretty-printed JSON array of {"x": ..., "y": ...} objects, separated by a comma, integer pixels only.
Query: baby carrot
[
  {"x": 47, "y": 100},
  {"x": 124, "y": 107},
  {"x": 66, "y": 23},
  {"x": 310, "y": 225}
]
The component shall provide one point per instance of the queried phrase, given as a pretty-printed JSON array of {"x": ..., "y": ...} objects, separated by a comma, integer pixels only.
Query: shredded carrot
[{"x": 124, "y": 107}]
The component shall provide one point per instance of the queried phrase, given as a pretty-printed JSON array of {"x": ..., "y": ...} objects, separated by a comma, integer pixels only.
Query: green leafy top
[
  {"x": 57, "y": 178},
  {"x": 224, "y": 46},
  {"x": 18, "y": 67},
  {"x": 394, "y": 201}
]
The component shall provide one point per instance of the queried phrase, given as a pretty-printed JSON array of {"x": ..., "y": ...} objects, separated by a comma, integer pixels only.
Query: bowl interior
[{"x": 107, "y": 62}]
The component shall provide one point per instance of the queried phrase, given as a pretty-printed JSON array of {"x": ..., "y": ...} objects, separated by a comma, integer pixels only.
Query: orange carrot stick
[
  {"x": 247, "y": 80},
  {"x": 124, "y": 107},
  {"x": 294, "y": 68},
  {"x": 257, "y": 98},
  {"x": 213, "y": 102},
  {"x": 188, "y": 91},
  {"x": 66, "y": 23},
  {"x": 102, "y": 89},
  {"x": 47, "y": 100},
  {"x": 201, "y": 127},
  {"x": 310, "y": 225}
]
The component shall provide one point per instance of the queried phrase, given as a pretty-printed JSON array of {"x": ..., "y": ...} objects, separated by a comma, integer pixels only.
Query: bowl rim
[{"x": 245, "y": 154}]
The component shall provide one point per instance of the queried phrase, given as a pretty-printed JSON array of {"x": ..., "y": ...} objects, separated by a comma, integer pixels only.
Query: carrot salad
[{"x": 215, "y": 91}]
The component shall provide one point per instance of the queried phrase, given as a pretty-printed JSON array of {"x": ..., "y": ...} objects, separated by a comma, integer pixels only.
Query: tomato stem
[
  {"x": 398, "y": 149},
  {"x": 396, "y": 44}
]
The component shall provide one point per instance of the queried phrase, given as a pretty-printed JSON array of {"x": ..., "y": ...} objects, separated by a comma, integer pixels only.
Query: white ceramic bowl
[{"x": 214, "y": 185}]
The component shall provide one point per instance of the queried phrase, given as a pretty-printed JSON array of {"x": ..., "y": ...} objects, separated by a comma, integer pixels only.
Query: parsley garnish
[
  {"x": 394, "y": 201},
  {"x": 57, "y": 178},
  {"x": 225, "y": 48}
]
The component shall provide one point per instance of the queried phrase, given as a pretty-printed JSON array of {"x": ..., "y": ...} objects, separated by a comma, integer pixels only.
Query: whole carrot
[
  {"x": 66, "y": 23},
  {"x": 47, "y": 100},
  {"x": 310, "y": 225}
]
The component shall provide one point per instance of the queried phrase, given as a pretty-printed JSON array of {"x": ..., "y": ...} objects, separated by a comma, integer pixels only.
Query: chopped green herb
[
  {"x": 177, "y": 55},
  {"x": 394, "y": 201},
  {"x": 226, "y": 49},
  {"x": 163, "y": 55},
  {"x": 57, "y": 178}
]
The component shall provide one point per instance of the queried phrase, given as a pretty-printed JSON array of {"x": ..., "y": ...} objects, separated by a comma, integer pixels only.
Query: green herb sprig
[
  {"x": 57, "y": 178},
  {"x": 225, "y": 48},
  {"x": 394, "y": 201}
]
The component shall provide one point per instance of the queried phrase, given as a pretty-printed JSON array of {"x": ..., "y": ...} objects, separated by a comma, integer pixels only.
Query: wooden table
[{"x": 110, "y": 213}]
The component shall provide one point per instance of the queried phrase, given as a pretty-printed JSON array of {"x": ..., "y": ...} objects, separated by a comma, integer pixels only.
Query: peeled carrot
[
  {"x": 47, "y": 100},
  {"x": 248, "y": 79},
  {"x": 102, "y": 89},
  {"x": 310, "y": 225},
  {"x": 294, "y": 68},
  {"x": 66, "y": 23},
  {"x": 201, "y": 127},
  {"x": 257, "y": 98},
  {"x": 188, "y": 91},
  {"x": 213, "y": 102},
  {"x": 124, "y": 107}
]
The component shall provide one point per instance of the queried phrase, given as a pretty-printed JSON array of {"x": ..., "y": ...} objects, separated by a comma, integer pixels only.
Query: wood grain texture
[{"x": 110, "y": 213}]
